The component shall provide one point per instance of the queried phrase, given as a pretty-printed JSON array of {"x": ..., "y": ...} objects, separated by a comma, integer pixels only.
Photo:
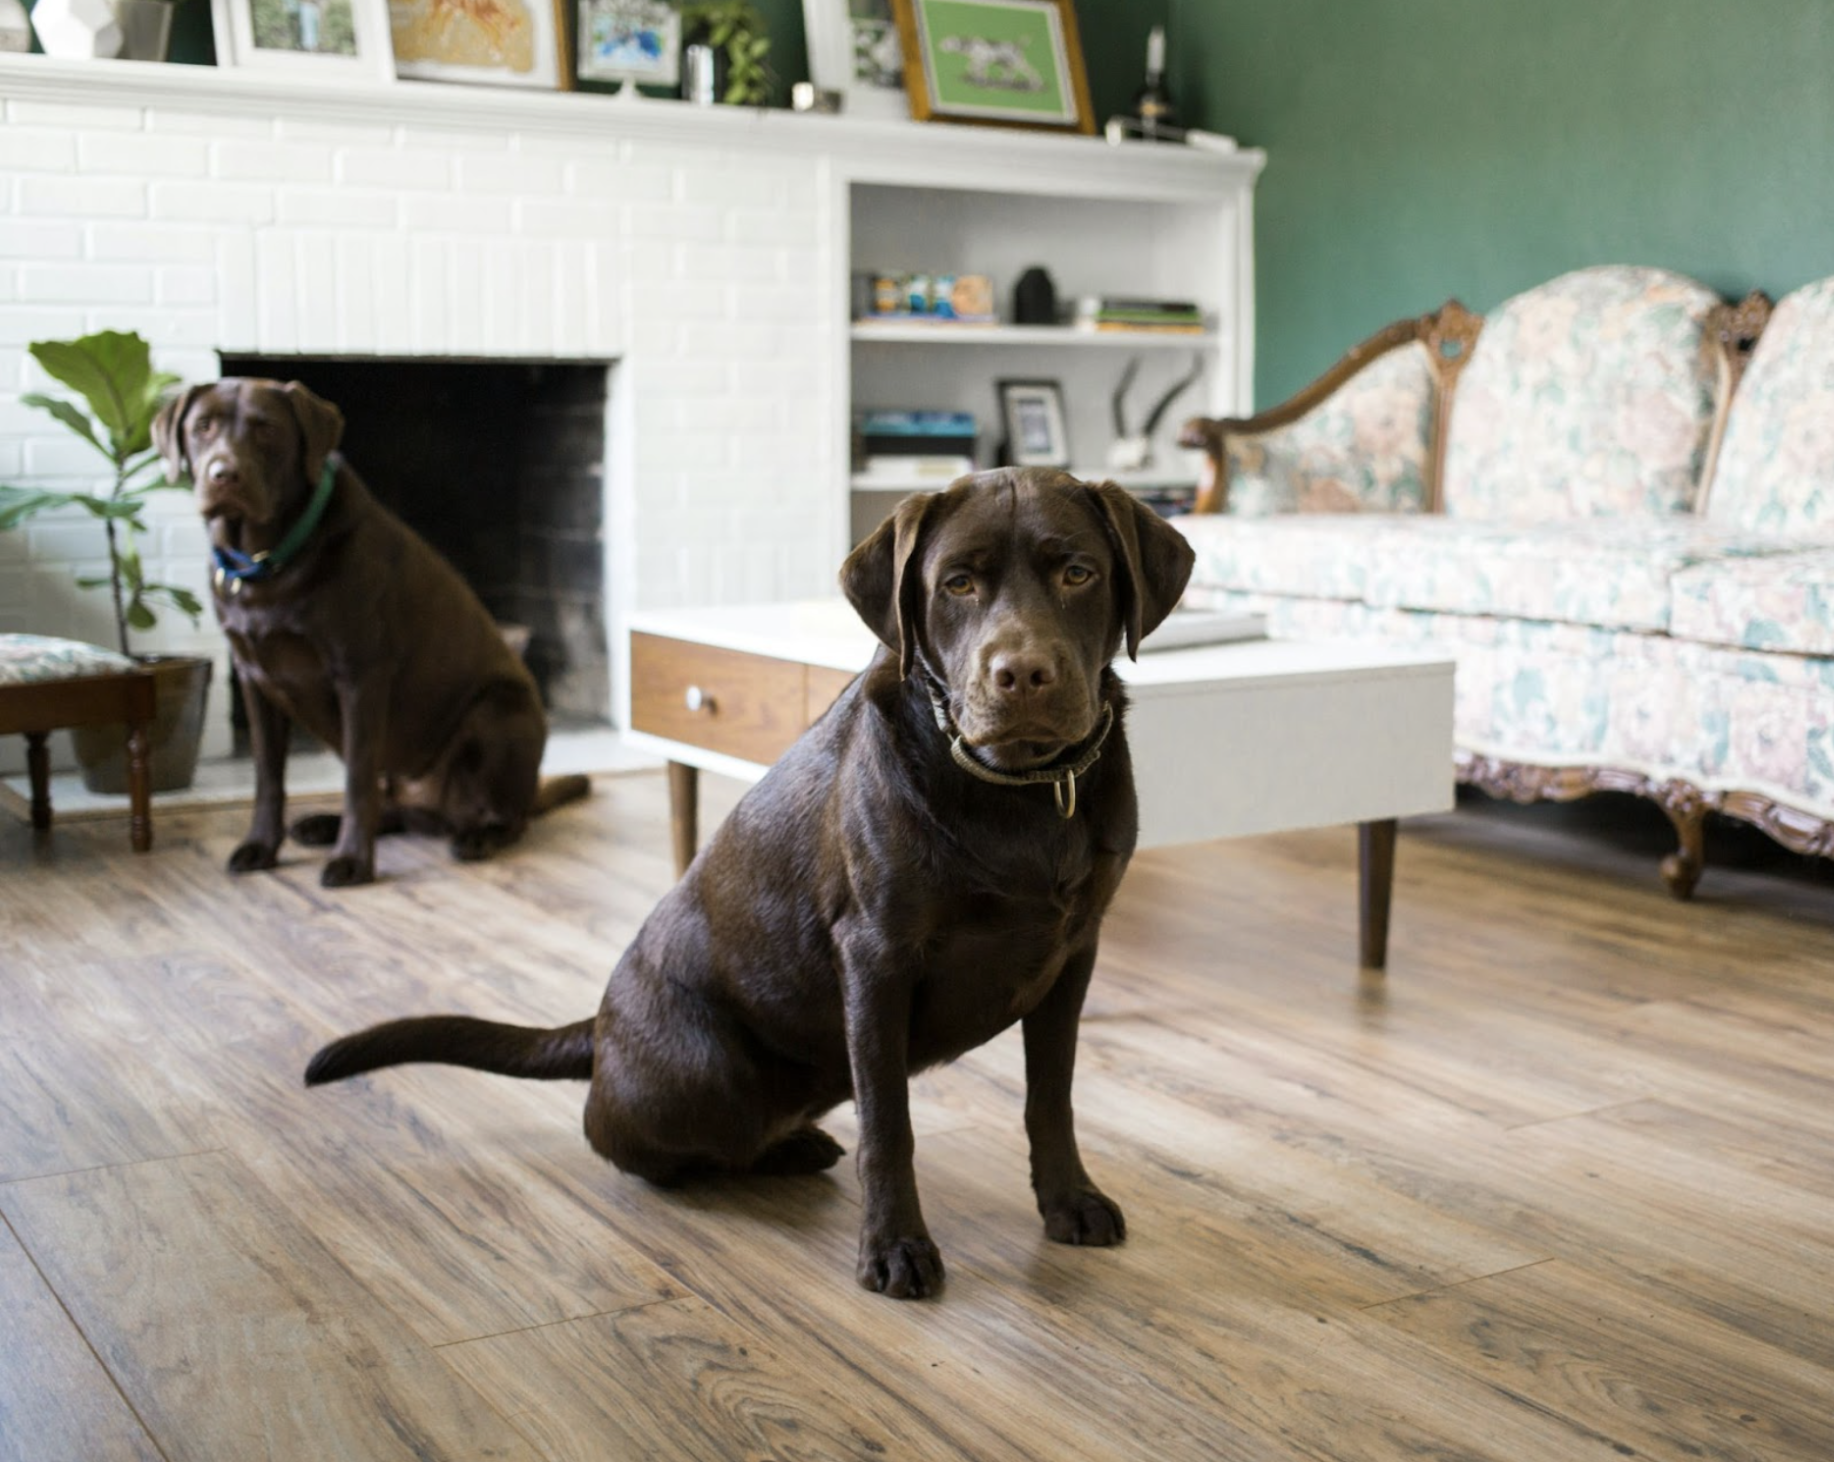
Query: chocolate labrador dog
[
  {"x": 339, "y": 616},
  {"x": 927, "y": 865}
]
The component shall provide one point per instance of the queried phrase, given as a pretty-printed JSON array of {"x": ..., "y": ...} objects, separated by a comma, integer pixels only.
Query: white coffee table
[{"x": 1227, "y": 740}]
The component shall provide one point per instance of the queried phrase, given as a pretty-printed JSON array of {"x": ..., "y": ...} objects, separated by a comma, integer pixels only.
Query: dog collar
[
  {"x": 233, "y": 567},
  {"x": 1061, "y": 777}
]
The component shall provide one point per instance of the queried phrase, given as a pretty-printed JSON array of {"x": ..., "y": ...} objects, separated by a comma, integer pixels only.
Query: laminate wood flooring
[{"x": 1560, "y": 1187}]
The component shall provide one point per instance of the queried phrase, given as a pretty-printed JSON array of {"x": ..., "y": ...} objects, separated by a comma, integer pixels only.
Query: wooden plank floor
[{"x": 1561, "y": 1187}]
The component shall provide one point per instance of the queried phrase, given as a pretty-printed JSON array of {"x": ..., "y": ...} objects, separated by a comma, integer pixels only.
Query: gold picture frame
[{"x": 996, "y": 63}]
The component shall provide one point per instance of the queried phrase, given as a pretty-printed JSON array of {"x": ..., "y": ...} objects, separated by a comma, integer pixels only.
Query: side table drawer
[{"x": 748, "y": 706}]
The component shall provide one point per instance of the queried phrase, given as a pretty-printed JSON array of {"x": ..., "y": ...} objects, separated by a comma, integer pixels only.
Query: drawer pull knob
[{"x": 698, "y": 700}]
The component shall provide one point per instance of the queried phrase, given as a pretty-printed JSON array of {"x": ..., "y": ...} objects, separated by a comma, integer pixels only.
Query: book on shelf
[
  {"x": 916, "y": 434},
  {"x": 1110, "y": 312},
  {"x": 900, "y": 470}
]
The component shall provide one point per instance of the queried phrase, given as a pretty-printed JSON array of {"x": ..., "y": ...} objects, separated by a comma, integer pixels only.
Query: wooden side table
[
  {"x": 1227, "y": 740},
  {"x": 37, "y": 697}
]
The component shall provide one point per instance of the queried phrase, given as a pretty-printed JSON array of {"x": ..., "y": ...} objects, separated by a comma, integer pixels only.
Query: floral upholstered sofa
[{"x": 1612, "y": 501}]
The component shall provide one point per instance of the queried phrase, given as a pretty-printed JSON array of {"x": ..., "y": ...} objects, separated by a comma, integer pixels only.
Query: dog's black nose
[
  {"x": 221, "y": 471},
  {"x": 1017, "y": 673}
]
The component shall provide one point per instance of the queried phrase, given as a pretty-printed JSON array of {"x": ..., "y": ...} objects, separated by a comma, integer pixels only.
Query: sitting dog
[
  {"x": 340, "y": 617},
  {"x": 929, "y": 863}
]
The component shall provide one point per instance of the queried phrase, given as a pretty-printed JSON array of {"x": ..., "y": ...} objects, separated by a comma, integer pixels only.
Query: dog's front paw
[
  {"x": 1086, "y": 1216},
  {"x": 252, "y": 856},
  {"x": 904, "y": 1268},
  {"x": 348, "y": 872}
]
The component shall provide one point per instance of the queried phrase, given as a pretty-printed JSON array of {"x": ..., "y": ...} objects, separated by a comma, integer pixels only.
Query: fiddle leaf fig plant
[{"x": 113, "y": 374}]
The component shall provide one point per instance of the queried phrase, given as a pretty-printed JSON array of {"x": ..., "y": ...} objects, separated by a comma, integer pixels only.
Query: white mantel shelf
[{"x": 894, "y": 151}]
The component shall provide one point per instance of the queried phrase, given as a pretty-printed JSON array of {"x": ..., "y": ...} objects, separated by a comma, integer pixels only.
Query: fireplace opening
[{"x": 500, "y": 465}]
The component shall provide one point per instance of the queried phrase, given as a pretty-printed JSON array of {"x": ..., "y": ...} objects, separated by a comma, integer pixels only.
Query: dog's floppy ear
[
  {"x": 881, "y": 581},
  {"x": 321, "y": 426},
  {"x": 1153, "y": 561},
  {"x": 169, "y": 432}
]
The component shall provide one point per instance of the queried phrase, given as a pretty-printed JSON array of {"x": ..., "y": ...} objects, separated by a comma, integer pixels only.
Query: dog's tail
[
  {"x": 561, "y": 1054},
  {"x": 559, "y": 791}
]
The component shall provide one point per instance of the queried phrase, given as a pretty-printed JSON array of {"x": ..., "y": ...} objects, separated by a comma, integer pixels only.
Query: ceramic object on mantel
[
  {"x": 15, "y": 26},
  {"x": 77, "y": 29},
  {"x": 146, "y": 28}
]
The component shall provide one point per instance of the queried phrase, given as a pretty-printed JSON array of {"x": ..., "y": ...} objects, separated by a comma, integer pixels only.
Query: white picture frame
[
  {"x": 854, "y": 49},
  {"x": 244, "y": 33},
  {"x": 633, "y": 41},
  {"x": 1037, "y": 434}
]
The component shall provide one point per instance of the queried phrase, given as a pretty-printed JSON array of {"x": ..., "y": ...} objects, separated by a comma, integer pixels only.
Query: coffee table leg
[
  {"x": 1375, "y": 846},
  {"x": 684, "y": 813},
  {"x": 139, "y": 788}
]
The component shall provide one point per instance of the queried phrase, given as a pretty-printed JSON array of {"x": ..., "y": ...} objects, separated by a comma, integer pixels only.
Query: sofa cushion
[
  {"x": 1589, "y": 396},
  {"x": 1611, "y": 573},
  {"x": 1364, "y": 448},
  {"x": 1776, "y": 465},
  {"x": 1781, "y": 602},
  {"x": 1309, "y": 555}
]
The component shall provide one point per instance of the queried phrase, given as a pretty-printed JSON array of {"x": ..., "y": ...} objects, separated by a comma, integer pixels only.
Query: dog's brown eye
[
  {"x": 959, "y": 584},
  {"x": 204, "y": 425},
  {"x": 1076, "y": 575}
]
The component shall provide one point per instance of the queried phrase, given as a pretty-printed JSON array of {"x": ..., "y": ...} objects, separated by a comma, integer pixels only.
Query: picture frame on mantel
[
  {"x": 529, "y": 46},
  {"x": 1001, "y": 63},
  {"x": 637, "y": 42},
  {"x": 854, "y": 50},
  {"x": 330, "y": 41}
]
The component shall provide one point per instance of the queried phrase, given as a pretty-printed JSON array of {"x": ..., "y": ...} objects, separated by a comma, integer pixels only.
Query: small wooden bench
[{"x": 47, "y": 684}]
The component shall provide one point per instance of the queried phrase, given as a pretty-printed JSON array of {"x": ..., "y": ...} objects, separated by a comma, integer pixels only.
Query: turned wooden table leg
[
  {"x": 684, "y": 813},
  {"x": 1375, "y": 846},
  {"x": 38, "y": 766},
  {"x": 139, "y": 788}
]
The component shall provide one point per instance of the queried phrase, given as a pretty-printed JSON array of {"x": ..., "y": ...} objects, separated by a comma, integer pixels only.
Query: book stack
[
  {"x": 1120, "y": 312},
  {"x": 906, "y": 448}
]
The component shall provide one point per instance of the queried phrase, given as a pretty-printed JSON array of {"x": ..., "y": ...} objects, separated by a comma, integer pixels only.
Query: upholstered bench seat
[{"x": 47, "y": 684}]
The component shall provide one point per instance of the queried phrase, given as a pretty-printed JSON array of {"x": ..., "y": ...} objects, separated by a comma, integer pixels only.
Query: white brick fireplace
[{"x": 701, "y": 253}]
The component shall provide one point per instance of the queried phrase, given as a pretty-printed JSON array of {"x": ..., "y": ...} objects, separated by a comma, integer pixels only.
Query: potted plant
[
  {"x": 114, "y": 376},
  {"x": 735, "y": 30}
]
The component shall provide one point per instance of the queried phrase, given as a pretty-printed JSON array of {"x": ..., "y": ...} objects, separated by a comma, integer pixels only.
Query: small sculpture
[{"x": 1131, "y": 451}]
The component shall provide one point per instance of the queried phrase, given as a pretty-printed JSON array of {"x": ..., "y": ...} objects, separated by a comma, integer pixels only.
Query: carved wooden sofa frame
[{"x": 1449, "y": 334}]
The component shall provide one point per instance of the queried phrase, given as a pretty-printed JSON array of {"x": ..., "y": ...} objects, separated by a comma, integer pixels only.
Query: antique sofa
[{"x": 1612, "y": 501}]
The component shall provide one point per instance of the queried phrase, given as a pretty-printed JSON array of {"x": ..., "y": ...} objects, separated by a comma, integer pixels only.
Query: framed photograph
[
  {"x": 329, "y": 40},
  {"x": 1014, "y": 63},
  {"x": 638, "y": 41},
  {"x": 1035, "y": 432},
  {"x": 488, "y": 42},
  {"x": 854, "y": 49}
]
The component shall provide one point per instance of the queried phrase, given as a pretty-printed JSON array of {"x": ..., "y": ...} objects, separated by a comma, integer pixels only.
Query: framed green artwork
[{"x": 1015, "y": 63}]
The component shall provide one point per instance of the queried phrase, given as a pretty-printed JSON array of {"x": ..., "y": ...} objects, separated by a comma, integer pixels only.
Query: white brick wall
[{"x": 708, "y": 276}]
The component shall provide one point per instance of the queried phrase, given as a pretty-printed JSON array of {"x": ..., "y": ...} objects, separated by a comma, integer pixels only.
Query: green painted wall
[{"x": 1420, "y": 149}]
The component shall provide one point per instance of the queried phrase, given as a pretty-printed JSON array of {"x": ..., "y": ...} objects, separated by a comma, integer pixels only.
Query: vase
[
  {"x": 15, "y": 26},
  {"x": 181, "y": 687},
  {"x": 146, "y": 28},
  {"x": 77, "y": 29}
]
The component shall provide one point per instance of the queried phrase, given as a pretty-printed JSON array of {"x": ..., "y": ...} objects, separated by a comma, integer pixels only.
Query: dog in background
[
  {"x": 339, "y": 616},
  {"x": 928, "y": 864}
]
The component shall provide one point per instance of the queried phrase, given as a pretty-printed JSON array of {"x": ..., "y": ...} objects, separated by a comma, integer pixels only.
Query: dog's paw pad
[
  {"x": 320, "y": 830},
  {"x": 253, "y": 856},
  {"x": 808, "y": 1150},
  {"x": 1086, "y": 1217},
  {"x": 903, "y": 1269},
  {"x": 347, "y": 873}
]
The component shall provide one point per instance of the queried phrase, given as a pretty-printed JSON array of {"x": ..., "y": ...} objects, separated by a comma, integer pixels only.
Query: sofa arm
[{"x": 1360, "y": 438}]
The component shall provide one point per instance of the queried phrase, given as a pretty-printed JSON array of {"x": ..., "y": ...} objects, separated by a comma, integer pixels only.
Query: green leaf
[
  {"x": 182, "y": 600},
  {"x": 140, "y": 617},
  {"x": 93, "y": 581},
  {"x": 19, "y": 503},
  {"x": 113, "y": 372},
  {"x": 70, "y": 417}
]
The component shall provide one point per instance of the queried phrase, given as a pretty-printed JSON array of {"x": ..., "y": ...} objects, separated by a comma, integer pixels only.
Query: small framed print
[
  {"x": 329, "y": 40},
  {"x": 1036, "y": 435},
  {"x": 500, "y": 43},
  {"x": 636, "y": 41},
  {"x": 1012, "y": 63}
]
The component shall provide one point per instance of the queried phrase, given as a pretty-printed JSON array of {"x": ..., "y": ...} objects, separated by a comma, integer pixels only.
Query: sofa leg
[{"x": 1682, "y": 868}]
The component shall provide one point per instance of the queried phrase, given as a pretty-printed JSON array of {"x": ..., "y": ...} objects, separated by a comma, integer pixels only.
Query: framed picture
[
  {"x": 1035, "y": 432},
  {"x": 329, "y": 40},
  {"x": 854, "y": 49},
  {"x": 1016, "y": 63},
  {"x": 492, "y": 42},
  {"x": 638, "y": 41}
]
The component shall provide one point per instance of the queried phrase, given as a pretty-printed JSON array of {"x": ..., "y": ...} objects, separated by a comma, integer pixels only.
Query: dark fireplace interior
[{"x": 500, "y": 465}]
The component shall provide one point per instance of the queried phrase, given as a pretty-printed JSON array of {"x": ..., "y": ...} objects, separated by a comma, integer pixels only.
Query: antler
[
  {"x": 1165, "y": 401},
  {"x": 1119, "y": 400}
]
